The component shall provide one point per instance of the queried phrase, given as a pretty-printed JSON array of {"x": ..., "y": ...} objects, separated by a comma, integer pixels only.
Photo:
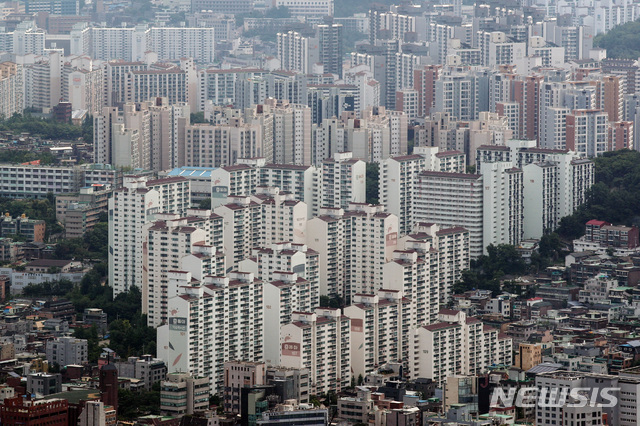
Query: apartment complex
[
  {"x": 210, "y": 322},
  {"x": 11, "y": 94},
  {"x": 320, "y": 342},
  {"x": 353, "y": 245}
]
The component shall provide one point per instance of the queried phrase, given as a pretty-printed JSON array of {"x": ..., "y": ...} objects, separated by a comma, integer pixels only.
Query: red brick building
[{"x": 28, "y": 412}]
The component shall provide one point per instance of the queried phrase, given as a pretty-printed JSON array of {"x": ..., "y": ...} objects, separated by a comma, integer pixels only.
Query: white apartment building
[
  {"x": 11, "y": 90},
  {"x": 396, "y": 185},
  {"x": 553, "y": 128},
  {"x": 170, "y": 81},
  {"x": 502, "y": 204},
  {"x": 426, "y": 265},
  {"x": 240, "y": 179},
  {"x": 301, "y": 181},
  {"x": 291, "y": 132},
  {"x": 130, "y": 208},
  {"x": 497, "y": 49},
  {"x": 167, "y": 133},
  {"x": 394, "y": 124},
  {"x": 343, "y": 181},
  {"x": 106, "y": 43},
  {"x": 242, "y": 228},
  {"x": 213, "y": 321},
  {"x": 121, "y": 138},
  {"x": 380, "y": 329},
  {"x": 456, "y": 345},
  {"x": 297, "y": 52},
  {"x": 541, "y": 198},
  {"x": 353, "y": 246},
  {"x": 438, "y": 160},
  {"x": 208, "y": 145},
  {"x": 307, "y": 8},
  {"x": 44, "y": 80},
  {"x": 587, "y": 132},
  {"x": 285, "y": 257},
  {"x": 450, "y": 200},
  {"x": 132, "y": 43},
  {"x": 166, "y": 243},
  {"x": 285, "y": 294},
  {"x": 175, "y": 43},
  {"x": 321, "y": 342},
  {"x": 86, "y": 89},
  {"x": 22, "y": 181},
  {"x": 174, "y": 192},
  {"x": 67, "y": 351},
  {"x": 260, "y": 220},
  {"x": 554, "y": 183},
  {"x": 283, "y": 218},
  {"x": 27, "y": 39}
]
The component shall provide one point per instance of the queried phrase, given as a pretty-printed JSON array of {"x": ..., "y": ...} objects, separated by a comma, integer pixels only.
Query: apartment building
[
  {"x": 353, "y": 245},
  {"x": 175, "y": 43},
  {"x": 343, "y": 181},
  {"x": 297, "y": 52},
  {"x": 301, "y": 181},
  {"x": 284, "y": 294},
  {"x": 25, "y": 181},
  {"x": 457, "y": 345},
  {"x": 395, "y": 189},
  {"x": 426, "y": 265},
  {"x": 85, "y": 89},
  {"x": 208, "y": 145},
  {"x": 307, "y": 9},
  {"x": 266, "y": 217},
  {"x": 174, "y": 193},
  {"x": 11, "y": 91},
  {"x": 451, "y": 200},
  {"x": 320, "y": 342},
  {"x": 503, "y": 214},
  {"x": 210, "y": 322},
  {"x": 291, "y": 132},
  {"x": 166, "y": 242},
  {"x": 265, "y": 262},
  {"x": 380, "y": 329},
  {"x": 130, "y": 208},
  {"x": 240, "y": 179},
  {"x": 623, "y": 413},
  {"x": 331, "y": 50},
  {"x": 587, "y": 132}
]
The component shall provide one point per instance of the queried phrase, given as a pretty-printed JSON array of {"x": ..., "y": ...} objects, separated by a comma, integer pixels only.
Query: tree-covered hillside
[
  {"x": 622, "y": 42},
  {"x": 615, "y": 196}
]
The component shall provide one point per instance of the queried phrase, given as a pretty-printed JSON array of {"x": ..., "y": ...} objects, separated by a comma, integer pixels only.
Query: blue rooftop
[{"x": 200, "y": 172}]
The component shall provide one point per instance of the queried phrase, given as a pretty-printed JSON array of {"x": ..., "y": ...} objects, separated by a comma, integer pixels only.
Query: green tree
[
  {"x": 486, "y": 272},
  {"x": 198, "y": 117},
  {"x": 205, "y": 204},
  {"x": 621, "y": 42},
  {"x": 615, "y": 196},
  {"x": 372, "y": 183}
]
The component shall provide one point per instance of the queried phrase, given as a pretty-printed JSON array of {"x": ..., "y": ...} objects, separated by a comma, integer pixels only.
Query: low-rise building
[
  {"x": 67, "y": 350},
  {"x": 182, "y": 394}
]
